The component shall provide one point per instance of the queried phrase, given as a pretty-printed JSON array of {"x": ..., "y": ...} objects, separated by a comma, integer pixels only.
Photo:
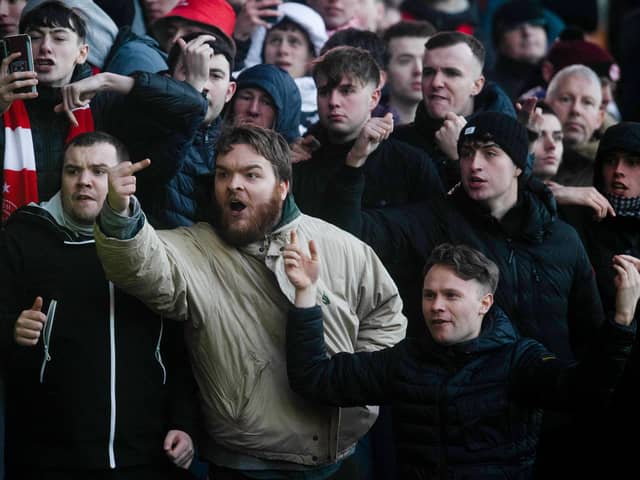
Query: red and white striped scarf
[{"x": 20, "y": 178}]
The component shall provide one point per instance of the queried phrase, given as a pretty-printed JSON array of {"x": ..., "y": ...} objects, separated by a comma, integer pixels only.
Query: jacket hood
[
  {"x": 283, "y": 91},
  {"x": 34, "y": 214},
  {"x": 624, "y": 136},
  {"x": 101, "y": 29}
]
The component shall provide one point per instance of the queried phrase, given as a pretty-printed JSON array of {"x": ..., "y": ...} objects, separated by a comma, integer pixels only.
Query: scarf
[
  {"x": 624, "y": 207},
  {"x": 56, "y": 210},
  {"x": 20, "y": 177}
]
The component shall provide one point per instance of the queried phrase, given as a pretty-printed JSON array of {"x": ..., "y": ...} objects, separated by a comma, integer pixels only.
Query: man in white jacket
[{"x": 227, "y": 279}]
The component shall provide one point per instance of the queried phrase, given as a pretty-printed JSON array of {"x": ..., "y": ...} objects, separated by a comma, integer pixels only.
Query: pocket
[{"x": 46, "y": 337}]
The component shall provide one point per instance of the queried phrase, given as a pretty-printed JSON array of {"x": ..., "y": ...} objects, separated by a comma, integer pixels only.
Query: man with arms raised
[{"x": 227, "y": 279}]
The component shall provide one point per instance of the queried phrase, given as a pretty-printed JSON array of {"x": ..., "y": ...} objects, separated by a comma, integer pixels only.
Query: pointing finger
[
  {"x": 141, "y": 165},
  {"x": 37, "y": 304}
]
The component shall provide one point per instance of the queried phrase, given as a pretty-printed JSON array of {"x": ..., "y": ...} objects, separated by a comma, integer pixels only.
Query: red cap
[{"x": 210, "y": 13}]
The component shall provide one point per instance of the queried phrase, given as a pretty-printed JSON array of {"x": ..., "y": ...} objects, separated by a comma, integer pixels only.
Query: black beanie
[
  {"x": 509, "y": 134},
  {"x": 622, "y": 137},
  {"x": 514, "y": 13}
]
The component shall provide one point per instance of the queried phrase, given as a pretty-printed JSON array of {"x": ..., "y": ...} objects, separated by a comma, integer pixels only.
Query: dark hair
[
  {"x": 55, "y": 14},
  {"x": 352, "y": 37},
  {"x": 288, "y": 24},
  {"x": 264, "y": 141},
  {"x": 221, "y": 46},
  {"x": 89, "y": 139},
  {"x": 347, "y": 61},
  {"x": 468, "y": 264},
  {"x": 451, "y": 38},
  {"x": 414, "y": 29},
  {"x": 545, "y": 108}
]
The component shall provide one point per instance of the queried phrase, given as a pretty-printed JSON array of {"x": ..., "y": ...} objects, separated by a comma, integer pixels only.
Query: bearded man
[{"x": 227, "y": 279}]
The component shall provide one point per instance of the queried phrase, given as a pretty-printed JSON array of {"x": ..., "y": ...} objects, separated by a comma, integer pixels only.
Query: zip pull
[{"x": 46, "y": 337}]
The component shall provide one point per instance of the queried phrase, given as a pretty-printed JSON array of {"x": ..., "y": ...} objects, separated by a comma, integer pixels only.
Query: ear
[
  {"x": 478, "y": 85},
  {"x": 601, "y": 114},
  {"x": 231, "y": 89},
  {"x": 83, "y": 53},
  {"x": 518, "y": 171},
  {"x": 547, "y": 71},
  {"x": 375, "y": 97},
  {"x": 283, "y": 186},
  {"x": 485, "y": 303}
]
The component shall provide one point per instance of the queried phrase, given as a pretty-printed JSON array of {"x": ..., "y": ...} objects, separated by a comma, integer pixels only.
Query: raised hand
[
  {"x": 627, "y": 282},
  {"x": 374, "y": 131},
  {"x": 252, "y": 15},
  {"x": 585, "y": 196},
  {"x": 302, "y": 148},
  {"x": 122, "y": 184},
  {"x": 302, "y": 270},
  {"x": 29, "y": 326},
  {"x": 447, "y": 136},
  {"x": 178, "y": 446},
  {"x": 10, "y": 82},
  {"x": 196, "y": 56}
]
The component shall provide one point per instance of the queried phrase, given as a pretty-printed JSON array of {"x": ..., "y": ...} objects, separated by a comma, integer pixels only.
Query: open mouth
[
  {"x": 618, "y": 186},
  {"x": 237, "y": 206},
  {"x": 44, "y": 62}
]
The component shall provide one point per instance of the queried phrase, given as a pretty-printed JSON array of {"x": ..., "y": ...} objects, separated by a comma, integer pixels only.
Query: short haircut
[
  {"x": 575, "y": 71},
  {"x": 288, "y": 24},
  {"x": 451, "y": 38},
  {"x": 220, "y": 46},
  {"x": 352, "y": 37},
  {"x": 55, "y": 14},
  {"x": 350, "y": 62},
  {"x": 88, "y": 139},
  {"x": 467, "y": 263},
  {"x": 413, "y": 29},
  {"x": 264, "y": 141}
]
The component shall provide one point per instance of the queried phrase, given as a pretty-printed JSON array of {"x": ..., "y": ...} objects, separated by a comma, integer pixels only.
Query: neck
[
  {"x": 500, "y": 206},
  {"x": 406, "y": 109}
]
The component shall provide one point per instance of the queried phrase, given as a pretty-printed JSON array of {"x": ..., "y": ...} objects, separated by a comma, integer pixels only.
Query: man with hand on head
[
  {"x": 97, "y": 385},
  {"x": 226, "y": 279}
]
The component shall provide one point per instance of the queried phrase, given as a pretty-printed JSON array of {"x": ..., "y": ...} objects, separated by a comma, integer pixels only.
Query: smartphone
[
  {"x": 270, "y": 19},
  {"x": 18, "y": 43}
]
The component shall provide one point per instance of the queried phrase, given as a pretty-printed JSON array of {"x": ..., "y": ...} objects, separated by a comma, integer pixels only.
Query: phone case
[{"x": 19, "y": 43}]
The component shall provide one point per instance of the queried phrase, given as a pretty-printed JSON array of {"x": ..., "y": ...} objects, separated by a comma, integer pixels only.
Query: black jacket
[
  {"x": 547, "y": 286},
  {"x": 469, "y": 410},
  {"x": 108, "y": 378}
]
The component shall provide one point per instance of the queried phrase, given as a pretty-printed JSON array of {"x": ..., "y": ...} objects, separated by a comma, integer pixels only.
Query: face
[
  {"x": 345, "y": 109},
  {"x": 404, "y": 73},
  {"x": 451, "y": 77},
  {"x": 525, "y": 43},
  {"x": 621, "y": 174},
  {"x": 10, "y": 11},
  {"x": 289, "y": 49},
  {"x": 453, "y": 308},
  {"x": 85, "y": 180},
  {"x": 56, "y": 52},
  {"x": 219, "y": 88},
  {"x": 489, "y": 176},
  {"x": 248, "y": 195},
  {"x": 576, "y": 100},
  {"x": 335, "y": 13},
  {"x": 370, "y": 15},
  {"x": 254, "y": 106},
  {"x": 548, "y": 148},
  {"x": 154, "y": 9},
  {"x": 176, "y": 28}
]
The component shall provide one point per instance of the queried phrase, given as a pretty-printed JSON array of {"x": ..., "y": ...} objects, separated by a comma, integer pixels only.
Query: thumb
[
  {"x": 181, "y": 43},
  {"x": 313, "y": 250},
  {"x": 169, "y": 440},
  {"x": 37, "y": 304},
  {"x": 294, "y": 237}
]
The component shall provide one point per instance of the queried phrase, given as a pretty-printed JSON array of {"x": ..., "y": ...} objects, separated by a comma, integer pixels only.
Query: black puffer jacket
[
  {"x": 460, "y": 411},
  {"x": 108, "y": 378},
  {"x": 547, "y": 285}
]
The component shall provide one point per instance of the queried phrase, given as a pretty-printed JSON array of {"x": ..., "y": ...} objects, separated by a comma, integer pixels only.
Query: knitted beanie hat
[
  {"x": 509, "y": 134},
  {"x": 514, "y": 13}
]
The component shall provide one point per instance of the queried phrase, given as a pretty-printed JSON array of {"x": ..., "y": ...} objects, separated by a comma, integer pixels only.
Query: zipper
[
  {"x": 158, "y": 354},
  {"x": 112, "y": 379},
  {"x": 46, "y": 337}
]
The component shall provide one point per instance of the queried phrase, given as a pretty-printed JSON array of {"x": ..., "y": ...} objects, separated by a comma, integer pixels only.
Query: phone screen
[{"x": 22, "y": 44}]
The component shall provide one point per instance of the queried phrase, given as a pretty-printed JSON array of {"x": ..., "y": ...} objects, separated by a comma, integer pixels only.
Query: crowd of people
[{"x": 321, "y": 240}]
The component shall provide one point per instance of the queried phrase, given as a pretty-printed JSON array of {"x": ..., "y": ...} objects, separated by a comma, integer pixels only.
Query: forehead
[
  {"x": 346, "y": 79},
  {"x": 550, "y": 122},
  {"x": 579, "y": 84},
  {"x": 458, "y": 55},
  {"x": 407, "y": 45},
  {"x": 93, "y": 155},
  {"x": 219, "y": 62},
  {"x": 57, "y": 29},
  {"x": 242, "y": 156},
  {"x": 255, "y": 91}
]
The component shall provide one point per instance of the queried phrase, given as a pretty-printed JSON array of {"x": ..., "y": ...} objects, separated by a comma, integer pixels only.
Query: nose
[
  {"x": 619, "y": 169},
  {"x": 475, "y": 161},
  {"x": 333, "y": 98},
  {"x": 84, "y": 178},
  {"x": 254, "y": 106},
  {"x": 436, "y": 304},
  {"x": 548, "y": 143},
  {"x": 45, "y": 43},
  {"x": 417, "y": 68},
  {"x": 234, "y": 181},
  {"x": 437, "y": 80}
]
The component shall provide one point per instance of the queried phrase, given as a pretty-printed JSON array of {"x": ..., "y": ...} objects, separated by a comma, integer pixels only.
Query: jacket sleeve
[
  {"x": 345, "y": 379},
  {"x": 158, "y": 119},
  {"x": 147, "y": 268},
  {"x": 542, "y": 380}
]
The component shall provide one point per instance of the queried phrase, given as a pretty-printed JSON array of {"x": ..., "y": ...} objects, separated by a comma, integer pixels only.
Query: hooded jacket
[
  {"x": 283, "y": 92},
  {"x": 107, "y": 380},
  {"x": 421, "y": 133},
  {"x": 236, "y": 301},
  {"x": 468, "y": 410}
]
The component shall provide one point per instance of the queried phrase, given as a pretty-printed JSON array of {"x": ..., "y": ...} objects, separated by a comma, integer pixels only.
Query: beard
[{"x": 260, "y": 222}]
